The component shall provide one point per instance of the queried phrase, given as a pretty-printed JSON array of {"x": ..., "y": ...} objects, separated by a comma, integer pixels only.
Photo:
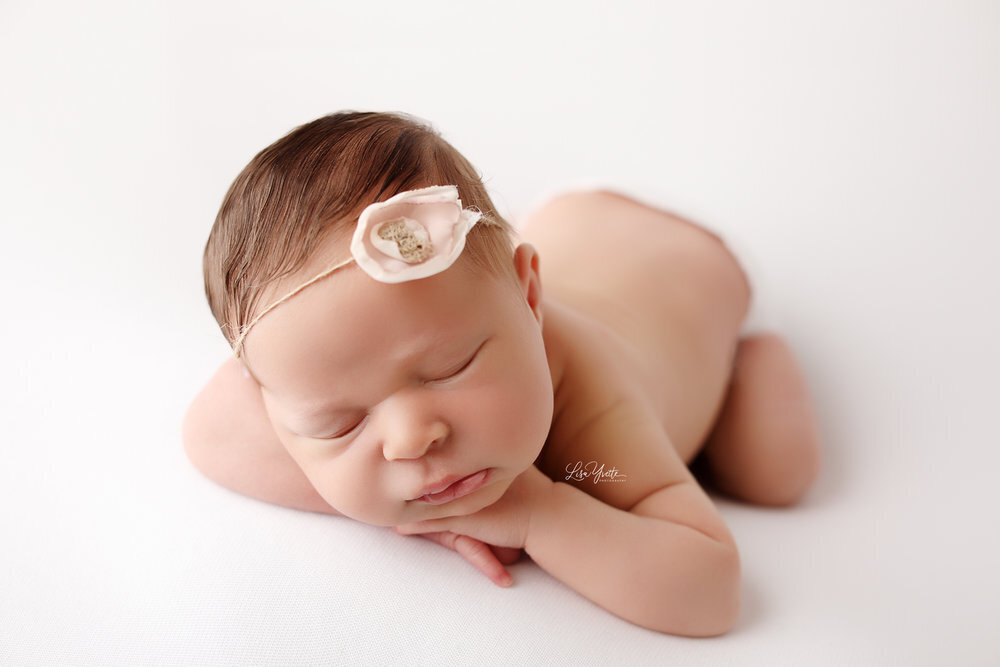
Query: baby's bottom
[{"x": 678, "y": 298}]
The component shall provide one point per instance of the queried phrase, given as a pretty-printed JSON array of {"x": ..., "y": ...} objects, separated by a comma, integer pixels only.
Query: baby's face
[{"x": 409, "y": 401}]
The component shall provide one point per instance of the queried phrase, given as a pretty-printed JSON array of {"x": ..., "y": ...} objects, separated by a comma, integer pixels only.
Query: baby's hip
[{"x": 657, "y": 269}]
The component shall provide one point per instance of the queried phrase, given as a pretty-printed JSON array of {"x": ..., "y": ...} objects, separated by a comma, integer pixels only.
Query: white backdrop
[{"x": 848, "y": 151}]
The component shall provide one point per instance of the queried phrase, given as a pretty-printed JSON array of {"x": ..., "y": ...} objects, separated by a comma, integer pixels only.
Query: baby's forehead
[
  {"x": 329, "y": 249},
  {"x": 348, "y": 319}
]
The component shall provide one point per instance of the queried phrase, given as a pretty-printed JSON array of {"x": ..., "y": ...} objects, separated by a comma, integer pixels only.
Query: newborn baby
[{"x": 397, "y": 361}]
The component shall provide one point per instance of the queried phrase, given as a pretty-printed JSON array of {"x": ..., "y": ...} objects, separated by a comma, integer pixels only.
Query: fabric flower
[{"x": 413, "y": 234}]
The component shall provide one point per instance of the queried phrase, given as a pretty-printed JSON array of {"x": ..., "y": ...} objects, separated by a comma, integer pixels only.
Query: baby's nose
[{"x": 412, "y": 436}]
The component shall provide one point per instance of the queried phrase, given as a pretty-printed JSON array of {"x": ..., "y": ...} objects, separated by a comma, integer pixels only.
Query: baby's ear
[{"x": 528, "y": 277}]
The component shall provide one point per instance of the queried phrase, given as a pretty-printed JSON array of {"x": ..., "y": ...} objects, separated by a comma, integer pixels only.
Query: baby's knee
[
  {"x": 787, "y": 482},
  {"x": 787, "y": 421}
]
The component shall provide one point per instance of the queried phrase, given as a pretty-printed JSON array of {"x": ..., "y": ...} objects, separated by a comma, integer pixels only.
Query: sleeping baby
[{"x": 400, "y": 359}]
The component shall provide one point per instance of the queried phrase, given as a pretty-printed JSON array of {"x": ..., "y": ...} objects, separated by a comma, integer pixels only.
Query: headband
[{"x": 412, "y": 235}]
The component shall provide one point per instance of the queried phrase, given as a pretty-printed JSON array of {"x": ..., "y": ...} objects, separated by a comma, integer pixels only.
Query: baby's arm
[
  {"x": 665, "y": 562},
  {"x": 663, "y": 558},
  {"x": 229, "y": 438}
]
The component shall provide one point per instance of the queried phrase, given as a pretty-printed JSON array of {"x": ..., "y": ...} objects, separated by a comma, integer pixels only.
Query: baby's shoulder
[
  {"x": 588, "y": 362},
  {"x": 602, "y": 412}
]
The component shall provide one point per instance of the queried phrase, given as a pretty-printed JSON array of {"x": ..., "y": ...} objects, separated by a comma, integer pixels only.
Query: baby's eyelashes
[
  {"x": 351, "y": 427},
  {"x": 337, "y": 431},
  {"x": 455, "y": 371}
]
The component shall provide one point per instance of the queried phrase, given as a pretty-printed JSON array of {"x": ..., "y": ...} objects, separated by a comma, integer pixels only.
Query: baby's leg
[{"x": 764, "y": 447}]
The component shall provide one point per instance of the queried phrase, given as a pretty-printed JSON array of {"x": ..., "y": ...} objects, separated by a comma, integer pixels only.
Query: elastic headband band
[{"x": 412, "y": 235}]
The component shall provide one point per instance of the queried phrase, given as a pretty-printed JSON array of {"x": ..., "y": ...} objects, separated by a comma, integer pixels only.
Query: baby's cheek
[
  {"x": 524, "y": 414},
  {"x": 348, "y": 489}
]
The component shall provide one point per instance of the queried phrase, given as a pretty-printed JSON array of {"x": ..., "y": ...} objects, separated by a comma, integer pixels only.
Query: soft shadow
[{"x": 752, "y": 610}]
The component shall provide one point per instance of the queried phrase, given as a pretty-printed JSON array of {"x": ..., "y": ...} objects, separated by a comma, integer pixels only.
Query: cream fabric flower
[{"x": 413, "y": 234}]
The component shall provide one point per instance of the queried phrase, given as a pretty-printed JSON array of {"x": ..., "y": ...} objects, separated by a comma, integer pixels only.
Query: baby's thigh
[{"x": 670, "y": 288}]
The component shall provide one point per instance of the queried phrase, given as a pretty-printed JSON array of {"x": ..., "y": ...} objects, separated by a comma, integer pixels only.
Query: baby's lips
[{"x": 458, "y": 488}]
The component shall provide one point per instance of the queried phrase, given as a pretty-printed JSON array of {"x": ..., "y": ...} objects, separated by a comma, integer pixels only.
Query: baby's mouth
[{"x": 452, "y": 489}]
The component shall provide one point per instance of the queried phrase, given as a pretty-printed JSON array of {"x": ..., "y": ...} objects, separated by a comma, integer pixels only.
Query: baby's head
[
  {"x": 402, "y": 398},
  {"x": 308, "y": 188}
]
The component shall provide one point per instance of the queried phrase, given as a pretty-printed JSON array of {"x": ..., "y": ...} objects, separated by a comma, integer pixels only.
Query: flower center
[{"x": 411, "y": 239}]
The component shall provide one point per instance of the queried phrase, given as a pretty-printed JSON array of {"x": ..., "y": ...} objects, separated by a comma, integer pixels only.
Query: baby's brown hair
[{"x": 313, "y": 182}]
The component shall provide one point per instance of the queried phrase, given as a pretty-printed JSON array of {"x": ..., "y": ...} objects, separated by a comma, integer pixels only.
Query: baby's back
[{"x": 669, "y": 295}]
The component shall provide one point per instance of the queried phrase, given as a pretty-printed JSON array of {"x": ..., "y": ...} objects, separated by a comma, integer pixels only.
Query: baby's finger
[
  {"x": 474, "y": 551},
  {"x": 506, "y": 555},
  {"x": 483, "y": 559},
  {"x": 425, "y": 528}
]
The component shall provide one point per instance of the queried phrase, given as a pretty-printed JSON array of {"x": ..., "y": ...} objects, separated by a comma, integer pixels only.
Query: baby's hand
[
  {"x": 504, "y": 523},
  {"x": 487, "y": 559}
]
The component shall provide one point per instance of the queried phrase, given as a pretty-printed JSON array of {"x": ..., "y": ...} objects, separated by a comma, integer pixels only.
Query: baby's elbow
[
  {"x": 711, "y": 599},
  {"x": 722, "y": 596}
]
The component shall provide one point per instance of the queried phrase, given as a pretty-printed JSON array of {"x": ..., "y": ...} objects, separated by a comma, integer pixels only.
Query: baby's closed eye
[
  {"x": 458, "y": 369},
  {"x": 345, "y": 429},
  {"x": 337, "y": 429}
]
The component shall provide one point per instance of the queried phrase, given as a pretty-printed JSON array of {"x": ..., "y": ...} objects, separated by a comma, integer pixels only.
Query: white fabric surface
[{"x": 848, "y": 151}]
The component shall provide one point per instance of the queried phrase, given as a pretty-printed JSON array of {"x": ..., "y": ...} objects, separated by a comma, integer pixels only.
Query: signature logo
[{"x": 593, "y": 471}]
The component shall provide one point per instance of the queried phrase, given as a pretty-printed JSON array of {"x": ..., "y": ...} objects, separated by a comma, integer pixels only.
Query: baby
[{"x": 397, "y": 362}]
